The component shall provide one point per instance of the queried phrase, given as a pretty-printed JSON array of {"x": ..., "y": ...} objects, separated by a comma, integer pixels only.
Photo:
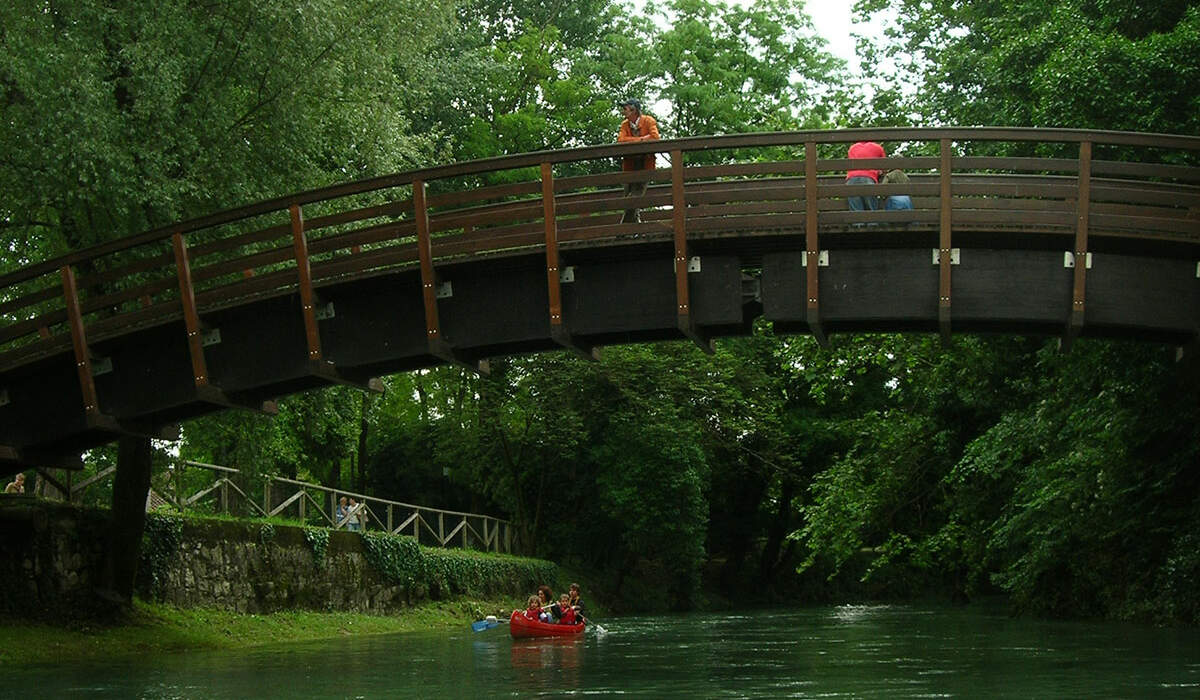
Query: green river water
[{"x": 860, "y": 651}]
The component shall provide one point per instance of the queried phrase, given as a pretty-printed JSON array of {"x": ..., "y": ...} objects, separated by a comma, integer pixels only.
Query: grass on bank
[{"x": 152, "y": 628}]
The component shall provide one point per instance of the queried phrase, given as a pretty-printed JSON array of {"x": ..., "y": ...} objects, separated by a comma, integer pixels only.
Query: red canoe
[{"x": 521, "y": 626}]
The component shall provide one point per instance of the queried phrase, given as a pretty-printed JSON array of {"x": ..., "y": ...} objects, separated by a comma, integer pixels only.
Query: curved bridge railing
[{"x": 756, "y": 195}]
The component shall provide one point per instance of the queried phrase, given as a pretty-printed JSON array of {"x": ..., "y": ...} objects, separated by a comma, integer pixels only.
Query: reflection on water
[{"x": 871, "y": 651}]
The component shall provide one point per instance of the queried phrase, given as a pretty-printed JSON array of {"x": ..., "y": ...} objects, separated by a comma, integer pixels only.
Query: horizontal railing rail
[
  {"x": 284, "y": 497},
  {"x": 1142, "y": 189}
]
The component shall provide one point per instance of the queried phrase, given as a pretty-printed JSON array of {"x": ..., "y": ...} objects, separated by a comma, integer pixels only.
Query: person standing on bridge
[
  {"x": 17, "y": 485},
  {"x": 634, "y": 128},
  {"x": 864, "y": 149}
]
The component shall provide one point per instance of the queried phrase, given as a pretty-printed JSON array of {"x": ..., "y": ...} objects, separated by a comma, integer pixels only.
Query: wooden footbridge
[{"x": 1033, "y": 231}]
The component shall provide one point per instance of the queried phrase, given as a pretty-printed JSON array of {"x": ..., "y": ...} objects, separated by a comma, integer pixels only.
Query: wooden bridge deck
[{"x": 1099, "y": 236}]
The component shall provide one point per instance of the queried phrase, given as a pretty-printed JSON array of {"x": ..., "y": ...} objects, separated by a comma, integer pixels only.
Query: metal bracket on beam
[
  {"x": 822, "y": 259},
  {"x": 751, "y": 288},
  {"x": 1198, "y": 270},
  {"x": 693, "y": 264},
  {"x": 444, "y": 290},
  {"x": 566, "y": 274},
  {"x": 210, "y": 337},
  {"x": 325, "y": 311},
  {"x": 1069, "y": 259},
  {"x": 954, "y": 256},
  {"x": 102, "y": 365}
]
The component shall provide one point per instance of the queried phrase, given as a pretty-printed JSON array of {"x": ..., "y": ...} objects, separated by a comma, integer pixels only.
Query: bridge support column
[
  {"x": 684, "y": 319},
  {"x": 128, "y": 519}
]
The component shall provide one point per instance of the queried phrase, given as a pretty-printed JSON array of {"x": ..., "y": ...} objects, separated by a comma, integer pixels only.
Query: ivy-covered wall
[
  {"x": 51, "y": 556},
  {"x": 260, "y": 568}
]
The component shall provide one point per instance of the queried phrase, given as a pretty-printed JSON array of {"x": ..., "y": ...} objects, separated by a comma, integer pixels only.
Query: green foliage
[
  {"x": 397, "y": 557},
  {"x": 161, "y": 538},
  {"x": 447, "y": 572},
  {"x": 318, "y": 539},
  {"x": 1079, "y": 63},
  {"x": 110, "y": 129}
]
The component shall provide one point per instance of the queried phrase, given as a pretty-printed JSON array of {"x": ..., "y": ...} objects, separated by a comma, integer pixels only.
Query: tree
[{"x": 1102, "y": 64}]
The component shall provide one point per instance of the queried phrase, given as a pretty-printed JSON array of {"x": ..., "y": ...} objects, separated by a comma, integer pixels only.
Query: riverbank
[{"x": 154, "y": 628}]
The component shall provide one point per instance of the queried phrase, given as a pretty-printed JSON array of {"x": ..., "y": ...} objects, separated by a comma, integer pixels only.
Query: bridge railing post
[
  {"x": 812, "y": 246},
  {"x": 1079, "y": 281},
  {"x": 945, "y": 260}
]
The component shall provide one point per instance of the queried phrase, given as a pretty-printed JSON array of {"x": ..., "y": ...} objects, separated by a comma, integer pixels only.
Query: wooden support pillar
[
  {"x": 683, "y": 308},
  {"x": 83, "y": 355},
  {"x": 307, "y": 296},
  {"x": 191, "y": 318},
  {"x": 558, "y": 327},
  {"x": 944, "y": 240},
  {"x": 1079, "y": 284},
  {"x": 812, "y": 246}
]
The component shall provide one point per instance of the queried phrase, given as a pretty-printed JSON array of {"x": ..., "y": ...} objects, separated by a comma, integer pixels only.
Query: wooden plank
[
  {"x": 30, "y": 299},
  {"x": 1079, "y": 283},
  {"x": 308, "y": 304},
  {"x": 191, "y": 319},
  {"x": 944, "y": 242},
  {"x": 83, "y": 355},
  {"x": 267, "y": 234},
  {"x": 812, "y": 247},
  {"x": 1057, "y": 165},
  {"x": 1145, "y": 170}
]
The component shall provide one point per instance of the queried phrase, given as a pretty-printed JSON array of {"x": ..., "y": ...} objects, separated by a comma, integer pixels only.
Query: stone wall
[
  {"x": 51, "y": 558},
  {"x": 228, "y": 565}
]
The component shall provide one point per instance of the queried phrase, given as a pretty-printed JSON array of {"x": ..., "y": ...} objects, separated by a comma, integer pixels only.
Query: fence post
[
  {"x": 464, "y": 531},
  {"x": 267, "y": 495}
]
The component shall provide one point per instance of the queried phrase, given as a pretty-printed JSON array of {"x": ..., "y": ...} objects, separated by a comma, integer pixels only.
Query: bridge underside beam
[
  {"x": 498, "y": 306},
  {"x": 995, "y": 290}
]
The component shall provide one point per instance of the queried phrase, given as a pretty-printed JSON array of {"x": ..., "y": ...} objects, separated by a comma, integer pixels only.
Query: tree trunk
[
  {"x": 364, "y": 427},
  {"x": 778, "y": 531},
  {"x": 128, "y": 519}
]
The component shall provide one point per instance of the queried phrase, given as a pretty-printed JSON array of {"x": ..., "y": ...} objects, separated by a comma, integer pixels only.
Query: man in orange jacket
[{"x": 634, "y": 128}]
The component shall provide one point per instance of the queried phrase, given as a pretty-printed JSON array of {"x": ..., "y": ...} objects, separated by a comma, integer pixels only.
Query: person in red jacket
[
  {"x": 563, "y": 610},
  {"x": 533, "y": 608},
  {"x": 864, "y": 149},
  {"x": 636, "y": 127}
]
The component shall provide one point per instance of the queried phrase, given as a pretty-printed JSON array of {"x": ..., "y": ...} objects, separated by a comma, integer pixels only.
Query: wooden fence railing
[
  {"x": 1094, "y": 188},
  {"x": 311, "y": 502}
]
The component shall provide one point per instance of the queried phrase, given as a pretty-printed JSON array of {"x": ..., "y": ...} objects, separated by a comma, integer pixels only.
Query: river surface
[{"x": 867, "y": 651}]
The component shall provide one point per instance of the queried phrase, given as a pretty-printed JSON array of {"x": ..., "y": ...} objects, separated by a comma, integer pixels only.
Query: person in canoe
[
  {"x": 563, "y": 611},
  {"x": 533, "y": 608},
  {"x": 547, "y": 599},
  {"x": 577, "y": 602}
]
